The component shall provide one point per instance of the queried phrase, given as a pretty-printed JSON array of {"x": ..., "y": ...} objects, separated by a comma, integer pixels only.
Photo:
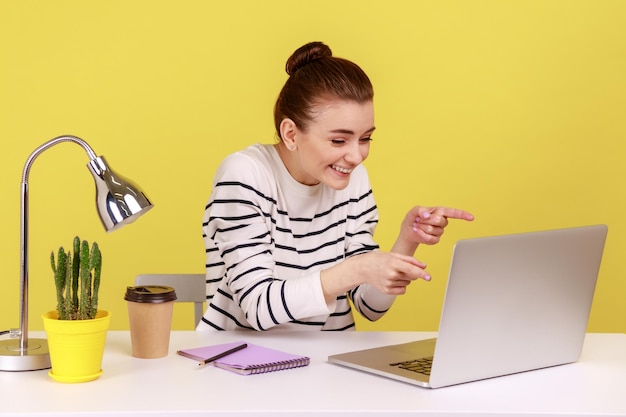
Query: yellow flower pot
[{"x": 76, "y": 346}]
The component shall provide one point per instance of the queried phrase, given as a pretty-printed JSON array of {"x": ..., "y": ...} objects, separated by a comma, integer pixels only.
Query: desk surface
[{"x": 176, "y": 386}]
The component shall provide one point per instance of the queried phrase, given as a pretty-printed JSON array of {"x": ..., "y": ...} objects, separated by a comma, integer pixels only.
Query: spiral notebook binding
[{"x": 276, "y": 366}]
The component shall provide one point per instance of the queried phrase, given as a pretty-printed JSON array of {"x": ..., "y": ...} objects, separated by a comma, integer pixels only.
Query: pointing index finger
[{"x": 452, "y": 213}]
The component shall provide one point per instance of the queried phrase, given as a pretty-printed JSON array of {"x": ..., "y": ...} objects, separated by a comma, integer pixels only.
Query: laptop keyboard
[{"x": 421, "y": 365}]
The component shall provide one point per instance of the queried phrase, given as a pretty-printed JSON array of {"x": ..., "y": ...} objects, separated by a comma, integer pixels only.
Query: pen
[{"x": 221, "y": 355}]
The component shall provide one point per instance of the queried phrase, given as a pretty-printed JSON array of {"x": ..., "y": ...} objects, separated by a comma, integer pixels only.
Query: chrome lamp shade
[{"x": 118, "y": 200}]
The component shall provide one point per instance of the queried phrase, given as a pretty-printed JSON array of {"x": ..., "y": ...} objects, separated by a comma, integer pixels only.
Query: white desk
[{"x": 175, "y": 386}]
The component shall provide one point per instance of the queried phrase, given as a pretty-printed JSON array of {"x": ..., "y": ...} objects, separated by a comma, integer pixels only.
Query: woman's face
[{"x": 334, "y": 143}]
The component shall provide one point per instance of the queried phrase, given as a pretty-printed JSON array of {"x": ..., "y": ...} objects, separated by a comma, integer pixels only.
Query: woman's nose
[{"x": 355, "y": 155}]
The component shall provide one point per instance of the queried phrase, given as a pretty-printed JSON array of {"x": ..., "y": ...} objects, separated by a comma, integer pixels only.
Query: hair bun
[{"x": 306, "y": 54}]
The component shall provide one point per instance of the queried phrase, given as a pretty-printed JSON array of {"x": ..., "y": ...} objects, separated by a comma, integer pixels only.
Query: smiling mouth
[{"x": 340, "y": 169}]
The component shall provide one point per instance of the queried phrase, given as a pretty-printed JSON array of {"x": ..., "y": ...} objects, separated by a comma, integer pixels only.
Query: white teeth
[{"x": 342, "y": 170}]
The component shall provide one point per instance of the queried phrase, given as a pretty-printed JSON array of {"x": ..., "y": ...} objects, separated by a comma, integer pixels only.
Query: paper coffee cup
[{"x": 150, "y": 309}]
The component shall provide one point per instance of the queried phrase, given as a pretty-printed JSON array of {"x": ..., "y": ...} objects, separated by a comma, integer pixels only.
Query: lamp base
[{"x": 35, "y": 357}]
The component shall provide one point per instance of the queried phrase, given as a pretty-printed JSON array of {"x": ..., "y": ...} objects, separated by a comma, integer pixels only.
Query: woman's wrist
[
  {"x": 338, "y": 279},
  {"x": 404, "y": 247}
]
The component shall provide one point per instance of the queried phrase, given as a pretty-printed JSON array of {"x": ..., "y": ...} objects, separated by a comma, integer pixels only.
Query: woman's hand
[
  {"x": 388, "y": 272},
  {"x": 425, "y": 225},
  {"x": 428, "y": 223}
]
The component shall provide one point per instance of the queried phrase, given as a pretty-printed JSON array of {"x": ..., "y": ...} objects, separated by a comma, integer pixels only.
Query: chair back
[{"x": 188, "y": 287}]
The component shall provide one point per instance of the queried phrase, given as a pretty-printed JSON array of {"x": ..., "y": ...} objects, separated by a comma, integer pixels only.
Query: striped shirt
[{"x": 267, "y": 238}]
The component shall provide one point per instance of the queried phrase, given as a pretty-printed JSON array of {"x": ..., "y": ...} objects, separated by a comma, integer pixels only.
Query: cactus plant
[{"x": 77, "y": 280}]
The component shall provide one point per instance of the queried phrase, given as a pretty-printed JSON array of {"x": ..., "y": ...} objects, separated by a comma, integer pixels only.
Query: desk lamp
[{"x": 119, "y": 202}]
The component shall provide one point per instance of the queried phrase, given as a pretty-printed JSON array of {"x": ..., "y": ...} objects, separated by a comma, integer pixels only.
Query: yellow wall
[{"x": 514, "y": 110}]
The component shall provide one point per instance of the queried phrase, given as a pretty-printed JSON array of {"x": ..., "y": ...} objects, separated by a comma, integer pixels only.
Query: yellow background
[{"x": 513, "y": 110}]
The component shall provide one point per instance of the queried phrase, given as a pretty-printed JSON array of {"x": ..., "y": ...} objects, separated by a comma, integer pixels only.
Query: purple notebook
[{"x": 253, "y": 359}]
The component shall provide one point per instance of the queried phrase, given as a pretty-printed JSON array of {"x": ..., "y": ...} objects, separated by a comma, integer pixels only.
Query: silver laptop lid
[{"x": 517, "y": 302}]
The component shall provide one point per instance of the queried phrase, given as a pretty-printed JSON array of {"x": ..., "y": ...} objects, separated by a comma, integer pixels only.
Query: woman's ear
[{"x": 288, "y": 133}]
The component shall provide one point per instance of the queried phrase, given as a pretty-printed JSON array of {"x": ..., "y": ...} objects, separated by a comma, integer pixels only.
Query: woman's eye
[{"x": 340, "y": 141}]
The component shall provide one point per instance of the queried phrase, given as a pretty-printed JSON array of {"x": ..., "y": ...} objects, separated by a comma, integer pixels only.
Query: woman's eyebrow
[{"x": 350, "y": 132}]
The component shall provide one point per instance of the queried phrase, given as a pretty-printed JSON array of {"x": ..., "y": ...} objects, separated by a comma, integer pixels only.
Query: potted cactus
[{"x": 77, "y": 283}]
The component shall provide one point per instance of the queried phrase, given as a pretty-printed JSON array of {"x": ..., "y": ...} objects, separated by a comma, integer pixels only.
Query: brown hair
[{"x": 315, "y": 75}]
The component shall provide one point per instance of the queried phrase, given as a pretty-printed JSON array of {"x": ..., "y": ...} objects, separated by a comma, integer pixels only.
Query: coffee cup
[{"x": 150, "y": 310}]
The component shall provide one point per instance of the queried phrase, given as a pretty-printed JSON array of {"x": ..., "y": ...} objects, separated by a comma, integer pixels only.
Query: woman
[{"x": 289, "y": 227}]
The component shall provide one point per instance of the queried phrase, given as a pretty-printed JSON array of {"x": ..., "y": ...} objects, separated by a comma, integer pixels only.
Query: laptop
[{"x": 513, "y": 303}]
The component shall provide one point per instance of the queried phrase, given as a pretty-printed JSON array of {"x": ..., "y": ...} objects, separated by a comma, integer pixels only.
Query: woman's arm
[{"x": 391, "y": 272}]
